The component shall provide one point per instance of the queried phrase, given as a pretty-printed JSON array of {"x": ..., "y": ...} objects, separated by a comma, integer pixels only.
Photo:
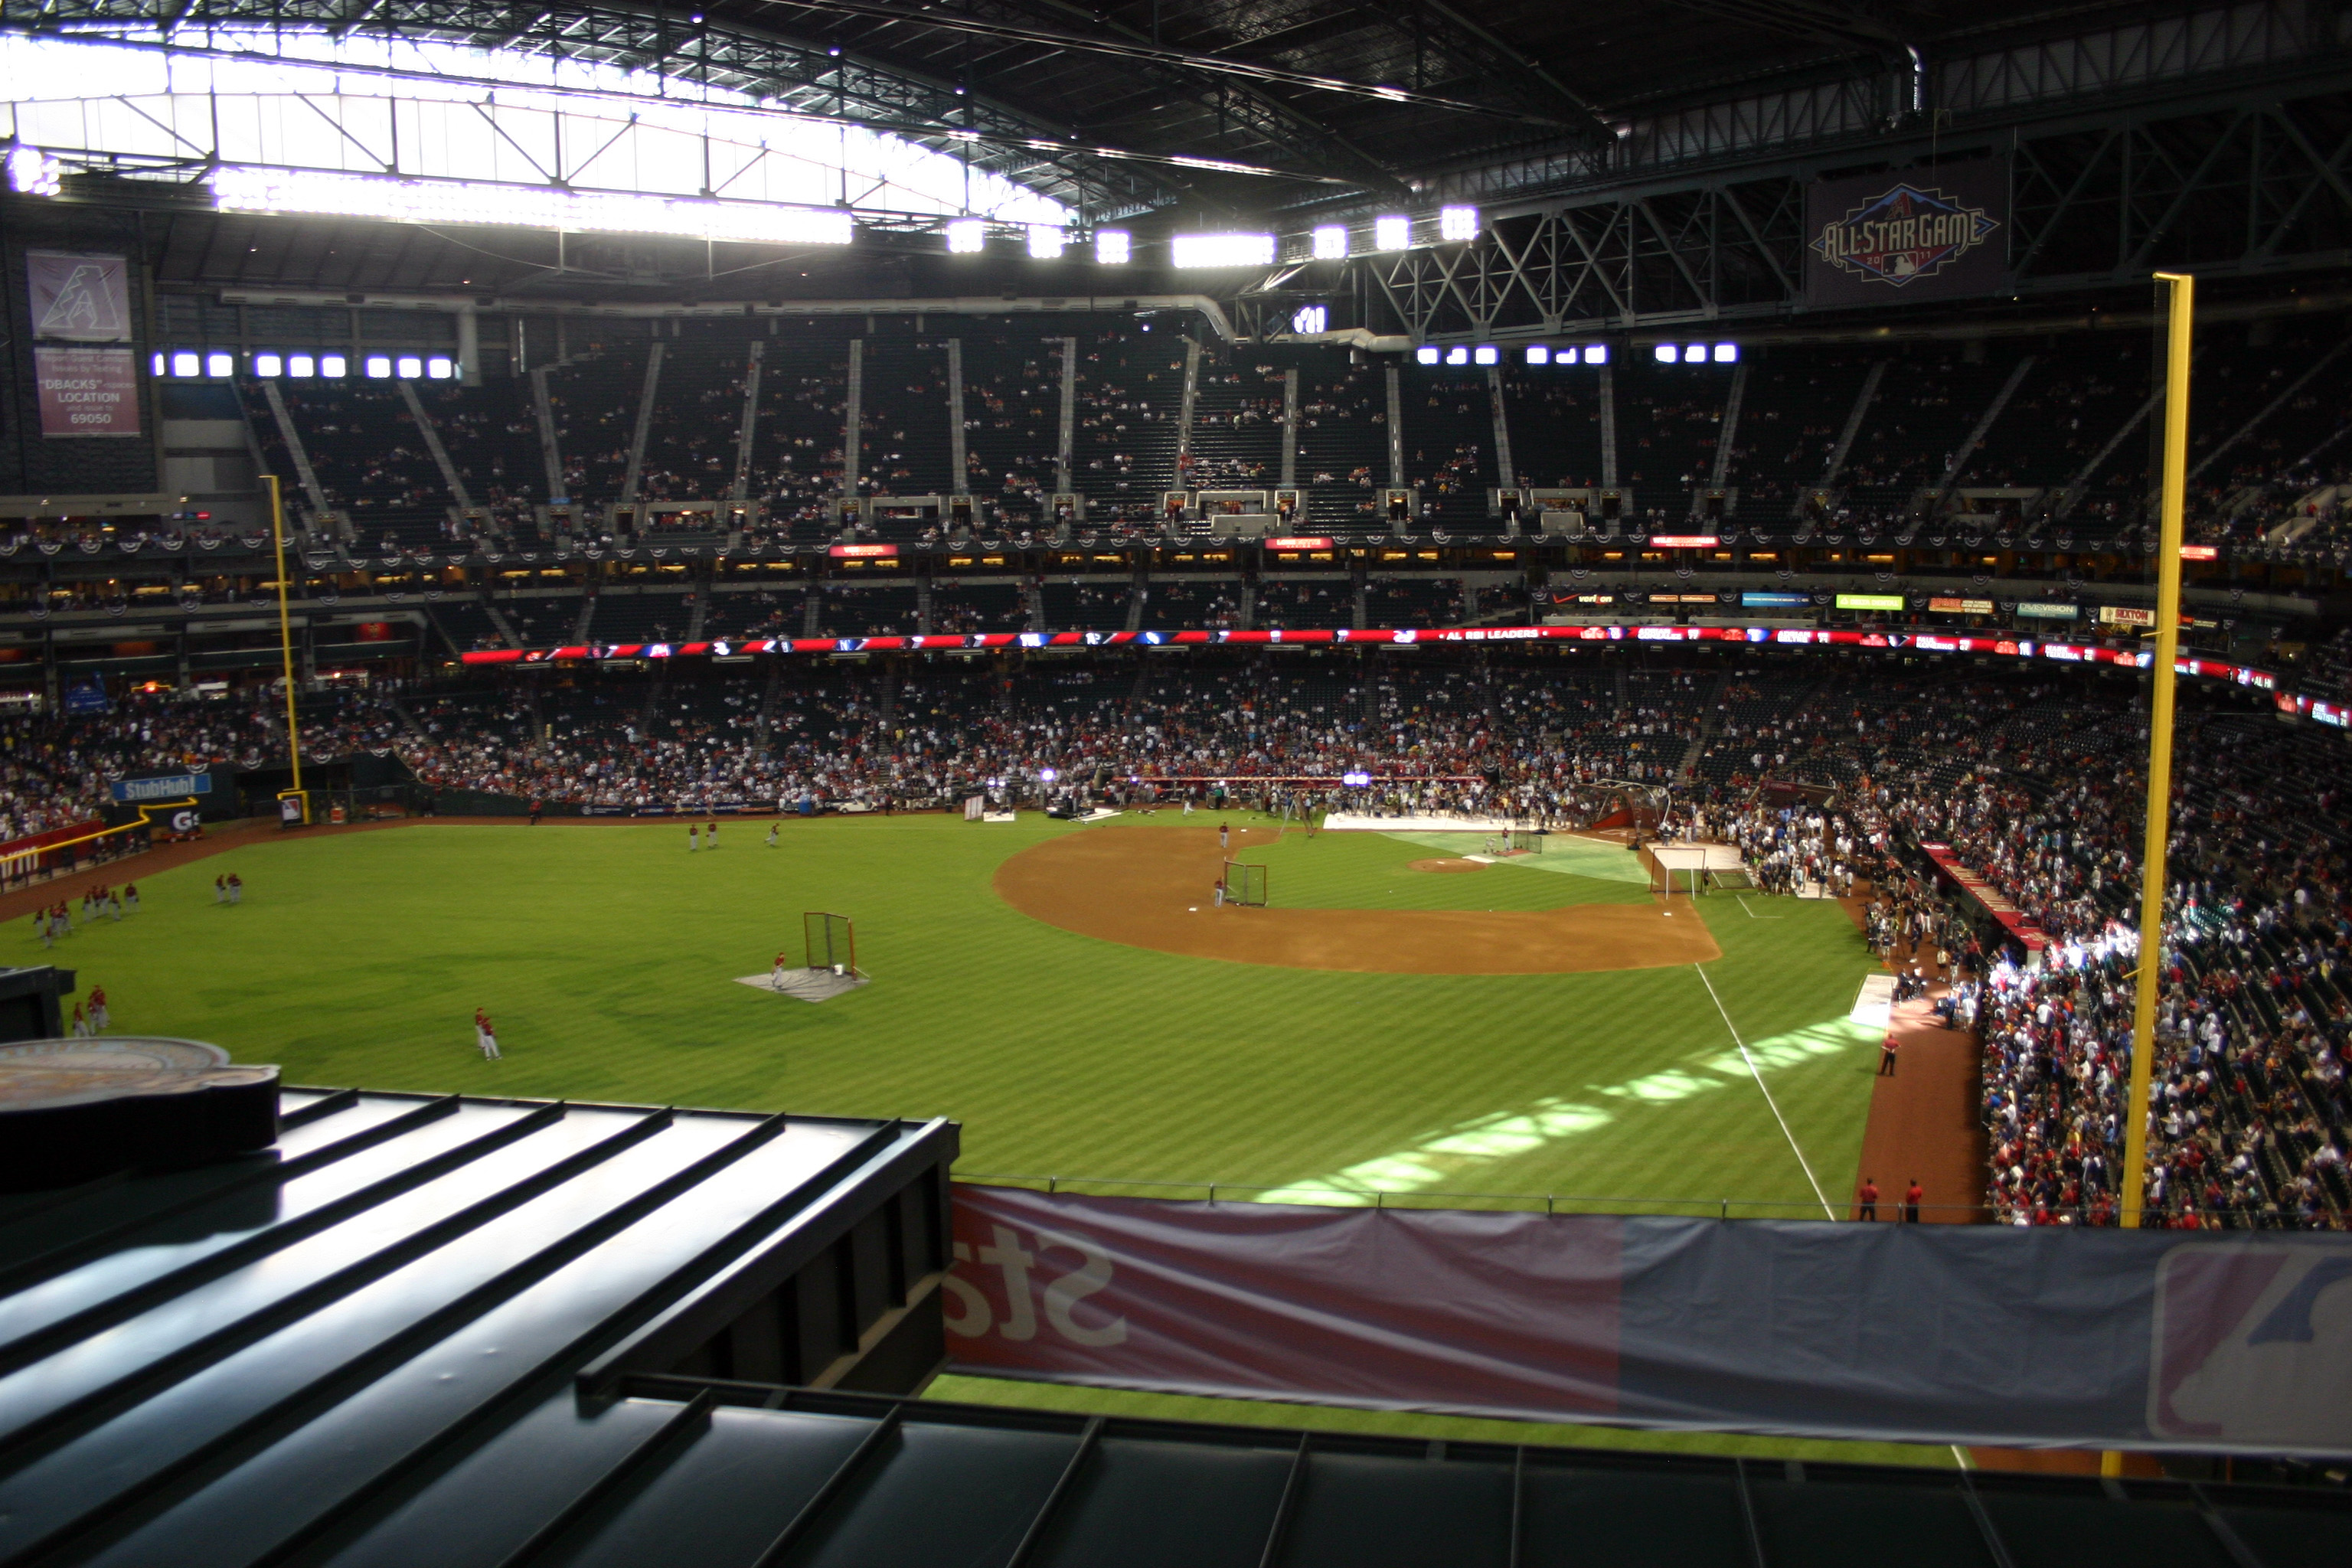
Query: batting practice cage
[
  {"x": 830, "y": 943},
  {"x": 1244, "y": 884}
]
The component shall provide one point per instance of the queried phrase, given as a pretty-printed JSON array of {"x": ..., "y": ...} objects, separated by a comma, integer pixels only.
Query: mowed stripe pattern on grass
[{"x": 607, "y": 957}]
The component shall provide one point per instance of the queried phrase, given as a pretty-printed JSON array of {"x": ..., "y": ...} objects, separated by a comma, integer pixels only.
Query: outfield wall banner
[
  {"x": 1931, "y": 234},
  {"x": 1943, "y": 1333}
]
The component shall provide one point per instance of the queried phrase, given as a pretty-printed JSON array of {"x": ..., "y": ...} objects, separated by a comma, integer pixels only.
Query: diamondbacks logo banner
[
  {"x": 79, "y": 299},
  {"x": 1937, "y": 234}
]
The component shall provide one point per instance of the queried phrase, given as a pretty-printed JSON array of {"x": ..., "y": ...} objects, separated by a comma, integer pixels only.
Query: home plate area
[{"x": 807, "y": 985}]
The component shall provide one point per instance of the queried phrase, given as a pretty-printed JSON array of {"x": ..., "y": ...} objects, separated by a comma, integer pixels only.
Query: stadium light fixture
[
  {"x": 1112, "y": 246},
  {"x": 1221, "y": 250},
  {"x": 1596, "y": 353},
  {"x": 1457, "y": 223},
  {"x": 410, "y": 367},
  {"x": 1669, "y": 354},
  {"x": 1727, "y": 354},
  {"x": 335, "y": 366},
  {"x": 301, "y": 366},
  {"x": 184, "y": 364},
  {"x": 1309, "y": 320},
  {"x": 1391, "y": 233},
  {"x": 220, "y": 364},
  {"x": 439, "y": 367},
  {"x": 966, "y": 236},
  {"x": 1538, "y": 355},
  {"x": 33, "y": 173},
  {"x": 1457, "y": 355},
  {"x": 155, "y": 363},
  {"x": 269, "y": 364},
  {"x": 1485, "y": 354},
  {"x": 377, "y": 367},
  {"x": 1330, "y": 242},
  {"x": 1426, "y": 354},
  {"x": 1694, "y": 354},
  {"x": 1045, "y": 241},
  {"x": 319, "y": 193}
]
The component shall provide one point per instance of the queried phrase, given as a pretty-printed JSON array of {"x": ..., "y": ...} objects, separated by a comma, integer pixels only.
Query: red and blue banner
[{"x": 1943, "y": 1333}]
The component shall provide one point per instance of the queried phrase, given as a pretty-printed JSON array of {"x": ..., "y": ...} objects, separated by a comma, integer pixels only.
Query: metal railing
[{"x": 1889, "y": 1207}]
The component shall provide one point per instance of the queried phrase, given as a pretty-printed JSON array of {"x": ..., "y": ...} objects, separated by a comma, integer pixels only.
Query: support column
[
  {"x": 1609, "y": 425},
  {"x": 303, "y": 471},
  {"x": 741, "y": 488},
  {"x": 1184, "y": 413},
  {"x": 470, "y": 346},
  {"x": 549, "y": 452},
  {"x": 1729, "y": 432},
  {"x": 1396, "y": 429},
  {"x": 1506, "y": 474},
  {"x": 1061, "y": 453},
  {"x": 962, "y": 483},
  {"x": 1290, "y": 428},
  {"x": 853, "y": 412},
  {"x": 1977, "y": 433},
  {"x": 433, "y": 445},
  {"x": 1855, "y": 416},
  {"x": 645, "y": 421}
]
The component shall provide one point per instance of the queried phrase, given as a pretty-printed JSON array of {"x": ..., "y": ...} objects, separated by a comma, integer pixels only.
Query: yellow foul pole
[
  {"x": 286, "y": 634},
  {"x": 2133, "y": 1178}
]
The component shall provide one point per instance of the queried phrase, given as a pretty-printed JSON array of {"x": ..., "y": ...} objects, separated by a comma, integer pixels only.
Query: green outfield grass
[{"x": 606, "y": 955}]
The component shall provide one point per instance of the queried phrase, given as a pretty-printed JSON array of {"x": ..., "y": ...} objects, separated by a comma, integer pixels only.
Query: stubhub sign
[{"x": 167, "y": 786}]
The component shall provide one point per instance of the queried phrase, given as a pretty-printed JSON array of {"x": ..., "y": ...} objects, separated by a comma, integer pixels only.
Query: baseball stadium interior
[{"x": 1542, "y": 784}]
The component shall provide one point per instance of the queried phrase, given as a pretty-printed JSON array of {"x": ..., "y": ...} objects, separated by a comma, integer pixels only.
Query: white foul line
[
  {"x": 1753, "y": 915},
  {"x": 1826, "y": 1210}
]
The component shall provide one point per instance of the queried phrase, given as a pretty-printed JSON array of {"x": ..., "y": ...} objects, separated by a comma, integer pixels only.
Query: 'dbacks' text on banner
[{"x": 1923, "y": 1333}]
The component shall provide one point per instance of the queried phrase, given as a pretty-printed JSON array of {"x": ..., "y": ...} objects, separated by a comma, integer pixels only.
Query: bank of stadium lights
[
  {"x": 1309, "y": 320},
  {"x": 33, "y": 173},
  {"x": 1331, "y": 242},
  {"x": 967, "y": 237},
  {"x": 1391, "y": 233},
  {"x": 1460, "y": 353},
  {"x": 1112, "y": 246},
  {"x": 320, "y": 194},
  {"x": 1201, "y": 250},
  {"x": 1045, "y": 241},
  {"x": 1457, "y": 223},
  {"x": 1697, "y": 353}
]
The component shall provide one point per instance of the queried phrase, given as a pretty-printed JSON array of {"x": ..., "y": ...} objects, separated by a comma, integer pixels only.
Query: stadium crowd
[{"x": 1827, "y": 784}]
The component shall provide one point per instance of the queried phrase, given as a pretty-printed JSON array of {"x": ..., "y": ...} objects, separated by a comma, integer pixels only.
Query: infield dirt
[{"x": 1155, "y": 888}]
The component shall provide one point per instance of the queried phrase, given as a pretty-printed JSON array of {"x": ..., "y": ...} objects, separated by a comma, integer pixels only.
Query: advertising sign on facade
[
  {"x": 1928, "y": 234},
  {"x": 87, "y": 391},
  {"x": 79, "y": 299}
]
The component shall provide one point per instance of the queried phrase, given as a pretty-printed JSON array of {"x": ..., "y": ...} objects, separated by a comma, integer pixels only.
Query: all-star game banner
[{"x": 1923, "y": 233}]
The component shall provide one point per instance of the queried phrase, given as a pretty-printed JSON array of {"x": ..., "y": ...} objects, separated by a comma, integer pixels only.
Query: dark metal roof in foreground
[
  {"x": 241, "y": 1362},
  {"x": 457, "y": 1334}
]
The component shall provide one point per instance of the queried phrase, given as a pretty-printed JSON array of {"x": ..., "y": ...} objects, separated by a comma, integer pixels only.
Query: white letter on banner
[
  {"x": 1076, "y": 1286},
  {"x": 1020, "y": 1318},
  {"x": 976, "y": 1318}
]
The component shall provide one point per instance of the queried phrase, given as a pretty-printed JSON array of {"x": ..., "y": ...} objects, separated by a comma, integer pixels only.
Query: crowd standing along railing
[{"x": 2253, "y": 677}]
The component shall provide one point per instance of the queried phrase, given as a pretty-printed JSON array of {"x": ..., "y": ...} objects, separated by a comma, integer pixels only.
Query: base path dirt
[
  {"x": 1445, "y": 866},
  {"x": 1154, "y": 887}
]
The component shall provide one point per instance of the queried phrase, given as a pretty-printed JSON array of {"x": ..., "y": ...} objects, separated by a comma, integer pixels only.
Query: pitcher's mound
[
  {"x": 807, "y": 985},
  {"x": 1447, "y": 865}
]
